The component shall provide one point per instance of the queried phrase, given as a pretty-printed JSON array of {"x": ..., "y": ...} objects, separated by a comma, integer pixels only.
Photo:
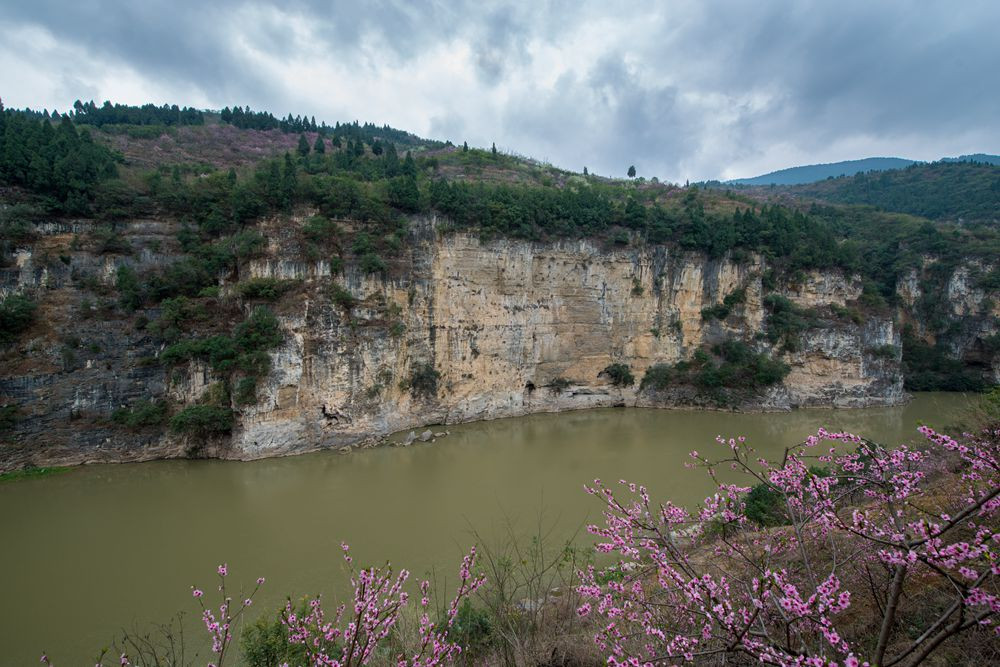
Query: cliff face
[{"x": 511, "y": 327}]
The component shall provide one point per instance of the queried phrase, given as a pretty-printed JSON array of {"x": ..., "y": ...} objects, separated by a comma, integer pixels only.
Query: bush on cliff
[
  {"x": 17, "y": 312},
  {"x": 202, "y": 420},
  {"x": 620, "y": 375}
]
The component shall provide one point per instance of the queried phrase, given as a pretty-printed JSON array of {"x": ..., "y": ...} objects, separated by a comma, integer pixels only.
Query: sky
[{"x": 682, "y": 89}]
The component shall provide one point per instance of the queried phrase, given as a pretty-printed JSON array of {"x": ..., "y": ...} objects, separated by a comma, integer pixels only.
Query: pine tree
[
  {"x": 631, "y": 171},
  {"x": 585, "y": 173},
  {"x": 494, "y": 149},
  {"x": 303, "y": 148},
  {"x": 465, "y": 146},
  {"x": 320, "y": 146},
  {"x": 288, "y": 182}
]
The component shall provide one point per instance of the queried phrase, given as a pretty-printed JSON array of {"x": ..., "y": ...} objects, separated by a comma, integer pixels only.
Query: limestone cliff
[{"x": 509, "y": 327}]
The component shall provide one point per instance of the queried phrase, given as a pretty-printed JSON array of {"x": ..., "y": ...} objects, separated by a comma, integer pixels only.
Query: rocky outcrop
[{"x": 503, "y": 328}]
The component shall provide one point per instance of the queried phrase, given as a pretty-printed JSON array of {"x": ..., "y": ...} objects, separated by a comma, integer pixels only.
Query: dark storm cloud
[{"x": 681, "y": 89}]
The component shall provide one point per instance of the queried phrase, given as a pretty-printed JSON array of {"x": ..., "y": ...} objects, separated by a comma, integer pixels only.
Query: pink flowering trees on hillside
[{"x": 870, "y": 532}]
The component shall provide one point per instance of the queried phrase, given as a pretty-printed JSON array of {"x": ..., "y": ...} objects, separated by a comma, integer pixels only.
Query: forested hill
[
  {"x": 954, "y": 191},
  {"x": 352, "y": 192},
  {"x": 817, "y": 172}
]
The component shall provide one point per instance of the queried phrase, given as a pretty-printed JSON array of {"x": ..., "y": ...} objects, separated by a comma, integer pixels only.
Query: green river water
[{"x": 89, "y": 552}]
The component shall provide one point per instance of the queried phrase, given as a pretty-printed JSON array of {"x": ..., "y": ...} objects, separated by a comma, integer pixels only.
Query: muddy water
[{"x": 87, "y": 553}]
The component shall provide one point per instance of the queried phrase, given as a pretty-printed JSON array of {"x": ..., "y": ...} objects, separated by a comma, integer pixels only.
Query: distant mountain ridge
[
  {"x": 812, "y": 173},
  {"x": 975, "y": 157}
]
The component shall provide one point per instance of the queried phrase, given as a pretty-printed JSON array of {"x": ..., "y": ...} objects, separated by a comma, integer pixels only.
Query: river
[{"x": 103, "y": 547}]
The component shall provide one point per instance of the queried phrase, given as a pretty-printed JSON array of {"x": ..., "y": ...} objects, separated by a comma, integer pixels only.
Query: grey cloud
[{"x": 680, "y": 89}]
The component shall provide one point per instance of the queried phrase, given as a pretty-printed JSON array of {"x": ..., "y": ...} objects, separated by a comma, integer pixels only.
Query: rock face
[{"x": 502, "y": 328}]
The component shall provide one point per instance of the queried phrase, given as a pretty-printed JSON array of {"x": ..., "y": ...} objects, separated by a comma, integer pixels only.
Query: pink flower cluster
[
  {"x": 379, "y": 599},
  {"x": 707, "y": 583}
]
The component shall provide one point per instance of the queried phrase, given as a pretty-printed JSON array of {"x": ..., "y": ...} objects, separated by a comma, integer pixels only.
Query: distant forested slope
[
  {"x": 967, "y": 191},
  {"x": 811, "y": 173}
]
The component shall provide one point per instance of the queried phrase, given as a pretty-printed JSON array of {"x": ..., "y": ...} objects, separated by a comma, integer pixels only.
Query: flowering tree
[
  {"x": 378, "y": 600},
  {"x": 872, "y": 530}
]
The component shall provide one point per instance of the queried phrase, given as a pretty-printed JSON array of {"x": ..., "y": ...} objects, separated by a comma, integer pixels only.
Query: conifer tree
[
  {"x": 320, "y": 146},
  {"x": 303, "y": 148}
]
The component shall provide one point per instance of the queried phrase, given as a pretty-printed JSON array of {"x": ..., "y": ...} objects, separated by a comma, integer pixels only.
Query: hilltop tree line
[
  {"x": 88, "y": 113},
  {"x": 369, "y": 133},
  {"x": 53, "y": 159}
]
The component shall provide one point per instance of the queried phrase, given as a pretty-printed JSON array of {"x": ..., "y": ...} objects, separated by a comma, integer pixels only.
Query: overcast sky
[{"x": 683, "y": 90}]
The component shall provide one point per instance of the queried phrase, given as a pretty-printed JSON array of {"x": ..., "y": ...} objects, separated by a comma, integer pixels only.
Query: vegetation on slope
[
  {"x": 966, "y": 191},
  {"x": 366, "y": 184}
]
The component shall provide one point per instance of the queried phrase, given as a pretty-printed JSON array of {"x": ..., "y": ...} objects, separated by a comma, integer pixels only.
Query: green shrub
[
  {"x": 202, "y": 420},
  {"x": 17, "y": 312},
  {"x": 559, "y": 385},
  {"x": 129, "y": 290},
  {"x": 260, "y": 331},
  {"x": 143, "y": 413},
  {"x": 423, "y": 380},
  {"x": 264, "y": 643},
  {"x": 786, "y": 321},
  {"x": 321, "y": 230},
  {"x": 657, "y": 377},
  {"x": 108, "y": 241},
  {"x": 371, "y": 263},
  {"x": 9, "y": 414},
  {"x": 268, "y": 289},
  {"x": 883, "y": 352},
  {"x": 766, "y": 506},
  {"x": 717, "y": 311},
  {"x": 342, "y": 297},
  {"x": 246, "y": 391},
  {"x": 472, "y": 630},
  {"x": 932, "y": 368},
  {"x": 620, "y": 375}
]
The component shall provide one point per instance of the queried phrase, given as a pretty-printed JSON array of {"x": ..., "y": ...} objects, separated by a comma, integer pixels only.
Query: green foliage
[
  {"x": 423, "y": 380},
  {"x": 17, "y": 312},
  {"x": 9, "y": 415},
  {"x": 371, "y": 263},
  {"x": 720, "y": 311},
  {"x": 142, "y": 414},
  {"x": 246, "y": 391},
  {"x": 202, "y": 420},
  {"x": 123, "y": 114},
  {"x": 129, "y": 289},
  {"x": 620, "y": 375},
  {"x": 657, "y": 377},
  {"x": 268, "y": 289},
  {"x": 53, "y": 159},
  {"x": 786, "y": 321},
  {"x": 558, "y": 385},
  {"x": 340, "y": 296},
  {"x": 940, "y": 190},
  {"x": 472, "y": 630},
  {"x": 887, "y": 352},
  {"x": 109, "y": 242},
  {"x": 766, "y": 506},
  {"x": 245, "y": 350},
  {"x": 731, "y": 366},
  {"x": 264, "y": 643},
  {"x": 32, "y": 472},
  {"x": 931, "y": 368}
]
